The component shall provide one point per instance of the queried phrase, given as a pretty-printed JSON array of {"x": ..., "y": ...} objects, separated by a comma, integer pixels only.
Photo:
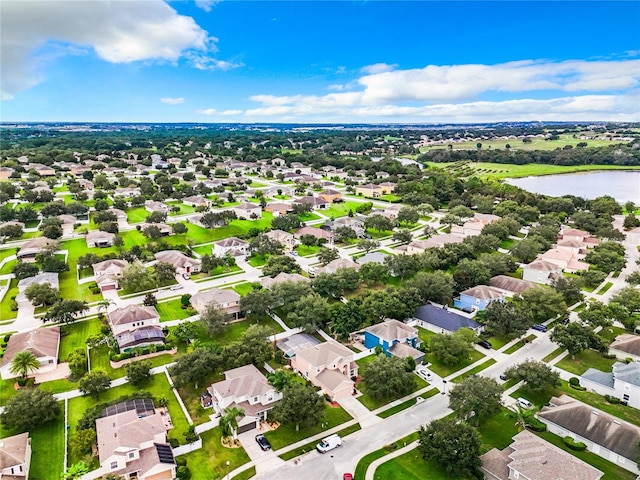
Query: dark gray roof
[
  {"x": 444, "y": 318},
  {"x": 628, "y": 373},
  {"x": 597, "y": 376},
  {"x": 299, "y": 341}
]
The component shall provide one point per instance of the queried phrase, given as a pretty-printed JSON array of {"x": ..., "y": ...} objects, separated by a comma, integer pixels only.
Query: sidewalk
[{"x": 371, "y": 470}]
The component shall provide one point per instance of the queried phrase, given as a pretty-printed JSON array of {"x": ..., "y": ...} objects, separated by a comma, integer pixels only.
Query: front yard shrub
[
  {"x": 611, "y": 399},
  {"x": 573, "y": 445},
  {"x": 574, "y": 381}
]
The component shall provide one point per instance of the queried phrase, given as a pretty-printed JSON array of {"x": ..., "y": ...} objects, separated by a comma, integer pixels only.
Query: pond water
[{"x": 619, "y": 184}]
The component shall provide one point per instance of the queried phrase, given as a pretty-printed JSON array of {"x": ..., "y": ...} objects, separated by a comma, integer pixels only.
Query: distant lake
[{"x": 623, "y": 185}]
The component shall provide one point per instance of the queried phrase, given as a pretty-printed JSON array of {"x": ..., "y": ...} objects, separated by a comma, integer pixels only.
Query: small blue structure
[{"x": 478, "y": 298}]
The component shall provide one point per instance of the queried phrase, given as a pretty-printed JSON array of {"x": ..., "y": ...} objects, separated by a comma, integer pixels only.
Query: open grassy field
[
  {"x": 172, "y": 310},
  {"x": 75, "y": 336},
  {"x": 518, "y": 144},
  {"x": 337, "y": 210},
  {"x": 501, "y": 170},
  {"x": 211, "y": 460},
  {"x": 585, "y": 360}
]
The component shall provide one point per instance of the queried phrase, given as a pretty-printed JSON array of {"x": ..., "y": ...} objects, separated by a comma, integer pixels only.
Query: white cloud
[
  {"x": 207, "y": 111},
  {"x": 206, "y": 5},
  {"x": 172, "y": 101},
  {"x": 228, "y": 113},
  {"x": 204, "y": 62},
  {"x": 213, "y": 111},
  {"x": 119, "y": 31},
  {"x": 377, "y": 68}
]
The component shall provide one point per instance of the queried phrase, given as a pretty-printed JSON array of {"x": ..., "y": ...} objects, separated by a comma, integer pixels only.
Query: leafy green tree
[
  {"x": 280, "y": 263},
  {"x": 78, "y": 362},
  {"x": 258, "y": 303},
  {"x": 433, "y": 286},
  {"x": 65, "y": 311},
  {"x": 408, "y": 216},
  {"x": 24, "y": 363},
  {"x": 367, "y": 245},
  {"x": 628, "y": 297},
  {"x": 213, "y": 319},
  {"x": 345, "y": 318},
  {"x": 136, "y": 278},
  {"x": 82, "y": 442},
  {"x": 476, "y": 398},
  {"x": 11, "y": 231},
  {"x": 310, "y": 312},
  {"x": 455, "y": 348},
  {"x": 504, "y": 318},
  {"x": 526, "y": 249},
  {"x": 343, "y": 234},
  {"x": 75, "y": 471},
  {"x": 94, "y": 383},
  {"x": 252, "y": 347},
  {"x": 179, "y": 228},
  {"x": 195, "y": 367},
  {"x": 229, "y": 421},
  {"x": 263, "y": 245},
  {"x": 402, "y": 265},
  {"x": 607, "y": 257},
  {"x": 287, "y": 222},
  {"x": 23, "y": 270},
  {"x": 378, "y": 222},
  {"x": 156, "y": 217},
  {"x": 453, "y": 445},
  {"x": 631, "y": 221},
  {"x": 138, "y": 373},
  {"x": 541, "y": 303},
  {"x": 300, "y": 404},
  {"x": 402, "y": 236},
  {"x": 307, "y": 239},
  {"x": 280, "y": 379},
  {"x": 576, "y": 338},
  {"x": 152, "y": 232},
  {"x": 593, "y": 278},
  {"x": 185, "y": 332},
  {"x": 42, "y": 294},
  {"x": 536, "y": 375},
  {"x": 286, "y": 294},
  {"x": 164, "y": 272},
  {"x": 387, "y": 378},
  {"x": 372, "y": 273},
  {"x": 327, "y": 255},
  {"x": 28, "y": 409}
]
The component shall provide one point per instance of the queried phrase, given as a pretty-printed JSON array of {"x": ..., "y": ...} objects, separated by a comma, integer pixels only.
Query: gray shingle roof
[{"x": 444, "y": 318}]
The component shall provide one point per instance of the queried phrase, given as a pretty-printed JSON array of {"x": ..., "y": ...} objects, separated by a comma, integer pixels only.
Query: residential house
[
  {"x": 565, "y": 259},
  {"x": 316, "y": 232},
  {"x": 245, "y": 388},
  {"x": 581, "y": 236},
  {"x": 156, "y": 207},
  {"x": 136, "y": 326},
  {"x": 6, "y": 172},
  {"x": 298, "y": 341},
  {"x": 98, "y": 238},
  {"x": 40, "y": 279},
  {"x": 44, "y": 343},
  {"x": 605, "y": 435},
  {"x": 437, "y": 241},
  {"x": 108, "y": 273},
  {"x": 387, "y": 187},
  {"x": 126, "y": 192},
  {"x": 372, "y": 257},
  {"x": 226, "y": 300},
  {"x": 230, "y": 246},
  {"x": 284, "y": 238},
  {"x": 165, "y": 230},
  {"x": 478, "y": 298},
  {"x": 396, "y": 338},
  {"x": 338, "y": 264},
  {"x": 135, "y": 447},
  {"x": 15, "y": 457},
  {"x": 301, "y": 168},
  {"x": 247, "y": 211},
  {"x": 32, "y": 247},
  {"x": 181, "y": 262},
  {"x": 278, "y": 208},
  {"x": 475, "y": 225},
  {"x": 121, "y": 216},
  {"x": 626, "y": 345},
  {"x": 330, "y": 196},
  {"x": 43, "y": 170},
  {"x": 530, "y": 457},
  {"x": 622, "y": 382},
  {"x": 196, "y": 201},
  {"x": 442, "y": 320},
  {"x": 316, "y": 203},
  {"x": 541, "y": 271},
  {"x": 510, "y": 285},
  {"x": 86, "y": 185},
  {"x": 369, "y": 190},
  {"x": 283, "y": 277},
  {"x": 329, "y": 366}
]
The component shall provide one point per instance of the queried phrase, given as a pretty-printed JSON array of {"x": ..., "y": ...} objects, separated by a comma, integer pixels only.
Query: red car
[{"x": 347, "y": 476}]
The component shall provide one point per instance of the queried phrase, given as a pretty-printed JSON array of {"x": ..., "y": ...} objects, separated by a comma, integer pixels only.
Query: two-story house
[
  {"x": 286, "y": 239},
  {"x": 396, "y": 338},
  {"x": 108, "y": 273},
  {"x": 541, "y": 271},
  {"x": 478, "y": 298},
  {"x": 329, "y": 366},
  {"x": 247, "y": 211},
  {"x": 136, "y": 326},
  {"x": 245, "y": 388},
  {"x": 15, "y": 457},
  {"x": 230, "y": 246},
  {"x": 133, "y": 447},
  {"x": 226, "y": 300},
  {"x": 181, "y": 262}
]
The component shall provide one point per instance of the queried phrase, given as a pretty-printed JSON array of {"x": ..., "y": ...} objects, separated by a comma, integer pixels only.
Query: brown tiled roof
[
  {"x": 131, "y": 314},
  {"x": 324, "y": 353},
  {"x": 231, "y": 242},
  {"x": 510, "y": 284},
  {"x": 176, "y": 258},
  {"x": 242, "y": 381},
  {"x": 542, "y": 265},
  {"x": 332, "y": 379},
  {"x": 392, "y": 330},
  {"x": 627, "y": 343},
  {"x": 105, "y": 265},
  {"x": 282, "y": 277},
  {"x": 13, "y": 450},
  {"x": 216, "y": 296},
  {"x": 483, "y": 292},
  {"x": 42, "y": 342}
]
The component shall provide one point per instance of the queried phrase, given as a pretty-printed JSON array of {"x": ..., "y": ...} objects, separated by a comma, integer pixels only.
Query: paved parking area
[{"x": 264, "y": 460}]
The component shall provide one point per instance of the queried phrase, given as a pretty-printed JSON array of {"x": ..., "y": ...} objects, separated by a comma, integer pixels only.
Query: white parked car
[{"x": 422, "y": 373}]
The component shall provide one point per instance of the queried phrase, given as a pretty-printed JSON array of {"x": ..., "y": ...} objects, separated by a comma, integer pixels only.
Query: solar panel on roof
[
  {"x": 165, "y": 454},
  {"x": 140, "y": 405}
]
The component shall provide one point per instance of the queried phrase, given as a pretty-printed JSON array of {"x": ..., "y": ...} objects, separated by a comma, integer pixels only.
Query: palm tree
[
  {"x": 24, "y": 363},
  {"x": 229, "y": 421}
]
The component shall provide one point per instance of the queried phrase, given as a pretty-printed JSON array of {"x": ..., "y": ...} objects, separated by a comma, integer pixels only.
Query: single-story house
[
  {"x": 329, "y": 366},
  {"x": 337, "y": 264},
  {"x": 44, "y": 343},
  {"x": 41, "y": 278},
  {"x": 68, "y": 223},
  {"x": 156, "y": 207},
  {"x": 475, "y": 225},
  {"x": 282, "y": 277},
  {"x": 396, "y": 338},
  {"x": 437, "y": 241},
  {"x": 86, "y": 185},
  {"x": 626, "y": 345},
  {"x": 442, "y": 320},
  {"x": 97, "y": 238},
  {"x": 510, "y": 285},
  {"x": 369, "y": 190},
  {"x": 605, "y": 435},
  {"x": 226, "y": 300},
  {"x": 136, "y": 326},
  {"x": 530, "y": 457},
  {"x": 113, "y": 267},
  {"x": 622, "y": 382},
  {"x": 330, "y": 195},
  {"x": 315, "y": 202},
  {"x": 126, "y": 192},
  {"x": 245, "y": 388},
  {"x": 15, "y": 457},
  {"x": 316, "y": 232},
  {"x": 32, "y": 247},
  {"x": 196, "y": 201},
  {"x": 285, "y": 238},
  {"x": 6, "y": 172},
  {"x": 230, "y": 246},
  {"x": 165, "y": 230},
  {"x": 181, "y": 262},
  {"x": 248, "y": 210},
  {"x": 372, "y": 257},
  {"x": 541, "y": 271},
  {"x": 135, "y": 447},
  {"x": 478, "y": 297},
  {"x": 279, "y": 208},
  {"x": 121, "y": 215}
]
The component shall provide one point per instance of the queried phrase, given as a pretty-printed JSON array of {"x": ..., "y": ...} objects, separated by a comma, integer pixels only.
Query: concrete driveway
[
  {"x": 264, "y": 460},
  {"x": 358, "y": 411}
]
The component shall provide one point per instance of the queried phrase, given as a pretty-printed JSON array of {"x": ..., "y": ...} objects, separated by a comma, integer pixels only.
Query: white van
[
  {"x": 524, "y": 403},
  {"x": 329, "y": 443}
]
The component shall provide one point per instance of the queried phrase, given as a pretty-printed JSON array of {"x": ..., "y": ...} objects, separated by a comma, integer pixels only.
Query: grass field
[
  {"x": 474, "y": 370},
  {"x": 372, "y": 403},
  {"x": 445, "y": 370},
  {"x": 337, "y": 210},
  {"x": 136, "y": 215},
  {"x": 367, "y": 460},
  {"x": 501, "y": 170},
  {"x": 172, "y": 310},
  {"x": 75, "y": 336},
  {"x": 585, "y": 360},
  {"x": 5, "y": 306},
  {"x": 211, "y": 460},
  {"x": 518, "y": 144}
]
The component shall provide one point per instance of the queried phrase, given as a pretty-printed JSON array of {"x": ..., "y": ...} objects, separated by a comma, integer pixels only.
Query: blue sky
[{"x": 317, "y": 61}]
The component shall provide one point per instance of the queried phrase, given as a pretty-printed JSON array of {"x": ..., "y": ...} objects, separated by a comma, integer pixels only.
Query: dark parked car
[
  {"x": 486, "y": 344},
  {"x": 539, "y": 327},
  {"x": 565, "y": 321},
  {"x": 263, "y": 442},
  {"x": 503, "y": 376}
]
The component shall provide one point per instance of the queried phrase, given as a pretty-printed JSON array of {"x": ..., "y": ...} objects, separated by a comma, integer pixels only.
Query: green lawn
[
  {"x": 100, "y": 361},
  {"x": 312, "y": 445},
  {"x": 553, "y": 354},
  {"x": 210, "y": 462},
  {"x": 75, "y": 336},
  {"x": 172, "y": 310},
  {"x": 286, "y": 434},
  {"x": 410, "y": 466},
  {"x": 605, "y": 288},
  {"x": 7, "y": 252},
  {"x": 8, "y": 266},
  {"x": 308, "y": 216},
  {"x": 307, "y": 250},
  {"x": 367, "y": 460},
  {"x": 406, "y": 404},
  {"x": 184, "y": 209},
  {"x": 136, "y": 215},
  {"x": 258, "y": 260},
  {"x": 507, "y": 244},
  {"x": 47, "y": 454},
  {"x": 445, "y": 370},
  {"x": 243, "y": 288},
  {"x": 474, "y": 370},
  {"x": 372, "y": 403},
  {"x": 341, "y": 209},
  {"x": 5, "y": 306},
  {"x": 519, "y": 344},
  {"x": 585, "y": 360},
  {"x": 498, "y": 341}
]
